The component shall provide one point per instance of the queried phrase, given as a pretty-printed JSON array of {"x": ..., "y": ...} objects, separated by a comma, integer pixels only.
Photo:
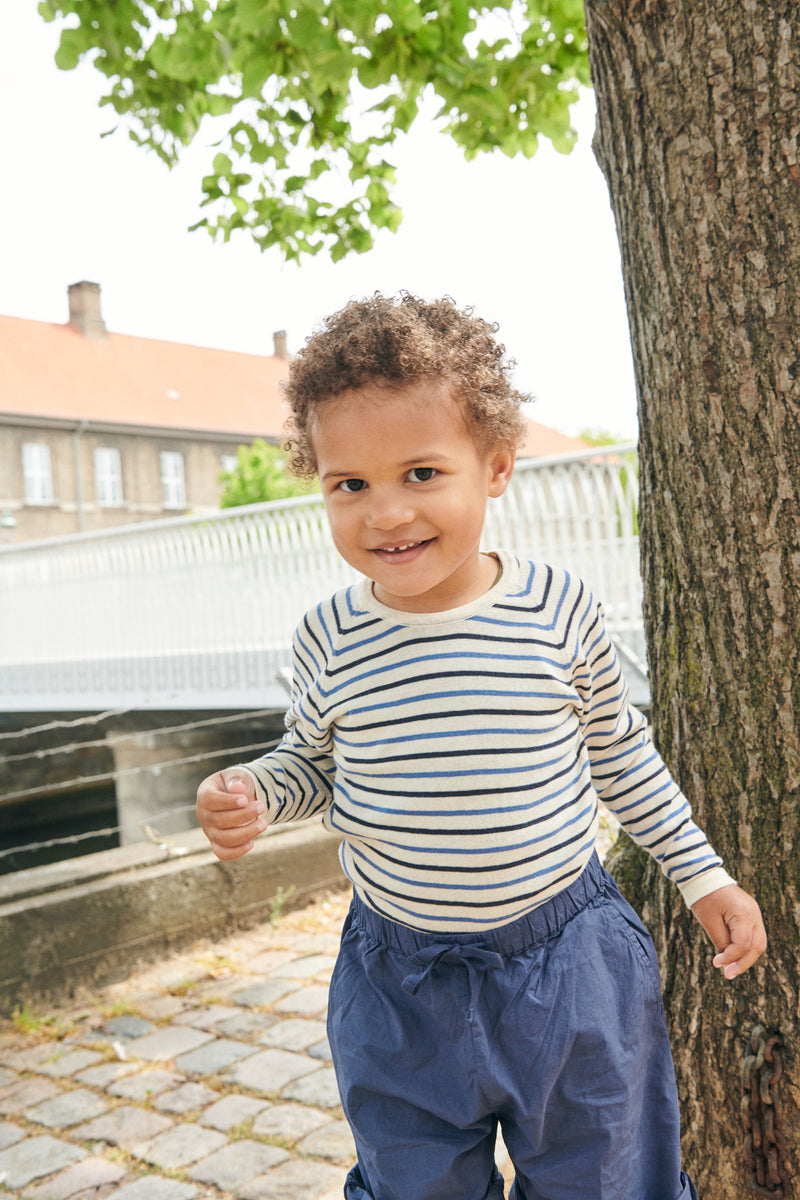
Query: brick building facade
[{"x": 100, "y": 429}]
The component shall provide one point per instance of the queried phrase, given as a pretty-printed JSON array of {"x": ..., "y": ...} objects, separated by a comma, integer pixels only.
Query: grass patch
[
  {"x": 28, "y": 1022},
  {"x": 217, "y": 965},
  {"x": 243, "y": 1130},
  {"x": 278, "y": 903},
  {"x": 180, "y": 988}
]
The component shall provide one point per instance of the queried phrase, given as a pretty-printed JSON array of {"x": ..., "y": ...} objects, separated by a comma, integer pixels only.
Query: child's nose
[{"x": 389, "y": 510}]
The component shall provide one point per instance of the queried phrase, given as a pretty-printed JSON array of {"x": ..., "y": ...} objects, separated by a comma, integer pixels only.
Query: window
[
  {"x": 173, "y": 482},
  {"x": 37, "y": 473},
  {"x": 229, "y": 462},
  {"x": 108, "y": 476}
]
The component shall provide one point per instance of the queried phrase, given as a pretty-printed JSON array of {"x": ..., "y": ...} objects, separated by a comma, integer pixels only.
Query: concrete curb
[{"x": 89, "y": 921}]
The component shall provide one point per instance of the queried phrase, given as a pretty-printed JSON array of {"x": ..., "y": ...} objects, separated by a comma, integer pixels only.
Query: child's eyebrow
[
  {"x": 427, "y": 457},
  {"x": 342, "y": 475}
]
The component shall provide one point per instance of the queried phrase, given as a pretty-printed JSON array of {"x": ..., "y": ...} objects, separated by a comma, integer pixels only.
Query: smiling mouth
[{"x": 402, "y": 548}]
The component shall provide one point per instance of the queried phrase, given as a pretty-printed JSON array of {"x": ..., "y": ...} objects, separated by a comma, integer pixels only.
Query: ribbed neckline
[{"x": 507, "y": 582}]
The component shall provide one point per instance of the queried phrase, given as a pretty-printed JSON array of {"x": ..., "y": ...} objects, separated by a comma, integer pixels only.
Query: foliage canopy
[
  {"x": 307, "y": 96},
  {"x": 259, "y": 475}
]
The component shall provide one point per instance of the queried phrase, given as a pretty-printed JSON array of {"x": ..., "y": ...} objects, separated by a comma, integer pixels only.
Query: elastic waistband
[{"x": 534, "y": 927}]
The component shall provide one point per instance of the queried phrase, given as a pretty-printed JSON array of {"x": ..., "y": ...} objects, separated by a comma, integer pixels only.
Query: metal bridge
[{"x": 198, "y": 612}]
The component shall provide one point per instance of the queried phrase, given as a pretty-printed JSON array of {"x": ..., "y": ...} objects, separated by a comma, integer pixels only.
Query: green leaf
[
  {"x": 222, "y": 164},
  {"x": 289, "y": 83},
  {"x": 256, "y": 16},
  {"x": 260, "y": 474},
  {"x": 70, "y": 49}
]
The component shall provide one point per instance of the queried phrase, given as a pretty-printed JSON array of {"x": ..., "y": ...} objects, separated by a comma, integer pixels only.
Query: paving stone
[
  {"x": 247, "y": 1022},
  {"x": 70, "y": 1108},
  {"x": 180, "y": 974},
  {"x": 265, "y": 962},
  {"x": 26, "y": 1092},
  {"x": 293, "y": 1034},
  {"x": 69, "y": 1064},
  {"x": 319, "y": 943},
  {"x": 246, "y": 943},
  {"x": 87, "y": 1176},
  {"x": 155, "y": 1187},
  {"x": 35, "y": 1157},
  {"x": 159, "y": 1007},
  {"x": 128, "y": 1026},
  {"x": 214, "y": 1057},
  {"x": 304, "y": 968},
  {"x": 320, "y": 1088},
  {"x": 168, "y": 1043},
  {"x": 31, "y": 1058},
  {"x": 220, "y": 990},
  {"x": 189, "y": 1097},
  {"x": 321, "y": 1050},
  {"x": 306, "y": 1002},
  {"x": 144, "y": 1085},
  {"x": 125, "y": 1126},
  {"x": 292, "y": 1180},
  {"x": 333, "y": 1140},
  {"x": 7, "y": 1077},
  {"x": 206, "y": 1016},
  {"x": 107, "y": 1073},
  {"x": 237, "y": 1164},
  {"x": 289, "y": 1121},
  {"x": 181, "y": 1146},
  {"x": 232, "y": 1111},
  {"x": 270, "y": 1070},
  {"x": 262, "y": 994},
  {"x": 9, "y": 1134},
  {"x": 86, "y": 1037}
]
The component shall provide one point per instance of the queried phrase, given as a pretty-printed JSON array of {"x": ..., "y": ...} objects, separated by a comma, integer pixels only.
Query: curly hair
[{"x": 395, "y": 341}]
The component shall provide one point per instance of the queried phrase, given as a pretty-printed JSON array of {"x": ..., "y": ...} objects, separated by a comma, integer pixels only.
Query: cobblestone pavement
[
  {"x": 208, "y": 1075},
  {"x": 205, "y": 1077}
]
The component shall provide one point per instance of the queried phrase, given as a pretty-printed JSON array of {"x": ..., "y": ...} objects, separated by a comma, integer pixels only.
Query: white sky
[{"x": 530, "y": 243}]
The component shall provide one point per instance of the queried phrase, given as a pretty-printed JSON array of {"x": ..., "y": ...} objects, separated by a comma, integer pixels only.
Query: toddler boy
[{"x": 456, "y": 718}]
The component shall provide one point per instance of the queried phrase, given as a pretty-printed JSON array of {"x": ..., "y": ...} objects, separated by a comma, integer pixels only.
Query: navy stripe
[{"x": 461, "y": 755}]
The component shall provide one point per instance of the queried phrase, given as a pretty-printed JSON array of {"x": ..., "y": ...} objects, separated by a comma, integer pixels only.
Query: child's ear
[{"x": 501, "y": 468}]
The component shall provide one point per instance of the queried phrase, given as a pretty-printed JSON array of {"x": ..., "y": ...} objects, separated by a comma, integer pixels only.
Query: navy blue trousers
[{"x": 551, "y": 1027}]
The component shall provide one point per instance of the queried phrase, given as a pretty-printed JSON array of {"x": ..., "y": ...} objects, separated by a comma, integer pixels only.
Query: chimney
[
  {"x": 84, "y": 309},
  {"x": 281, "y": 350}
]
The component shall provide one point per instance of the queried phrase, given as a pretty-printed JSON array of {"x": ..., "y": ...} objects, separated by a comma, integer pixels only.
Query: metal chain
[{"x": 762, "y": 1114}]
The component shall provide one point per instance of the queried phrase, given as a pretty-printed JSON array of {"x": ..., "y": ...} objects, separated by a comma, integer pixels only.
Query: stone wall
[
  {"x": 72, "y": 461},
  {"x": 89, "y": 921}
]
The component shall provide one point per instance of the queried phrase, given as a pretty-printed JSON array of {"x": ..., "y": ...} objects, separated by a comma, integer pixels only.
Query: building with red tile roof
[{"x": 100, "y": 429}]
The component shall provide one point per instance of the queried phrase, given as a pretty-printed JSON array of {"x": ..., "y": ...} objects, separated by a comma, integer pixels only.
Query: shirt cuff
[{"x": 703, "y": 885}]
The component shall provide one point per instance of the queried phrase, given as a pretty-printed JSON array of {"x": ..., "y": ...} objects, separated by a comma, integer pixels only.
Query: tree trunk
[{"x": 698, "y": 121}]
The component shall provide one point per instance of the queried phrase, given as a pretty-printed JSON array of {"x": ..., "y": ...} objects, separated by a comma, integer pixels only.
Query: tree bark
[{"x": 697, "y": 134}]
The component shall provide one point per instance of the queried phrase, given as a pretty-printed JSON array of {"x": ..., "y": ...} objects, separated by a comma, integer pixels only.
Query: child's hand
[
  {"x": 229, "y": 813},
  {"x": 732, "y": 919}
]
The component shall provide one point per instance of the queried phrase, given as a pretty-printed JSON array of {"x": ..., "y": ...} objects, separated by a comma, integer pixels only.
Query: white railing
[{"x": 198, "y": 612}]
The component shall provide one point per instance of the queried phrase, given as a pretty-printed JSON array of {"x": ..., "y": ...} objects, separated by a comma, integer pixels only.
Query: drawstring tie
[{"x": 477, "y": 961}]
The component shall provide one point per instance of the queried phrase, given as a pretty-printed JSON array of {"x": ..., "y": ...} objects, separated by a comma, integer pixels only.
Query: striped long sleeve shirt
[{"x": 461, "y": 755}]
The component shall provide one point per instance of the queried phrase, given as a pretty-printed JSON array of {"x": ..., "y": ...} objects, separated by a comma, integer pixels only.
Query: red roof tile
[
  {"x": 542, "y": 441},
  {"x": 54, "y": 371}
]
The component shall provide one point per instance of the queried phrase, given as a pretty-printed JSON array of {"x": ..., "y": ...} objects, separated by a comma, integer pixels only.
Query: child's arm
[
  {"x": 634, "y": 783},
  {"x": 732, "y": 920},
  {"x": 230, "y": 814}
]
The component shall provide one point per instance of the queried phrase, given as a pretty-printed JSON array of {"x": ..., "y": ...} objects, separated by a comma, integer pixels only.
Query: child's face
[{"x": 405, "y": 487}]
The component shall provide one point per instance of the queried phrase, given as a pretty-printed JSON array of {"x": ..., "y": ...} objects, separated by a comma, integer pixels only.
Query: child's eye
[
  {"x": 352, "y": 485},
  {"x": 422, "y": 474}
]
